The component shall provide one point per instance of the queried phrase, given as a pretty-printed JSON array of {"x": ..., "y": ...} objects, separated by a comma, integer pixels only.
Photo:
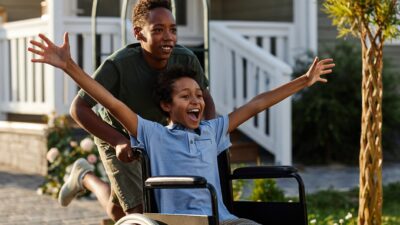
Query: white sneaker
[{"x": 73, "y": 186}]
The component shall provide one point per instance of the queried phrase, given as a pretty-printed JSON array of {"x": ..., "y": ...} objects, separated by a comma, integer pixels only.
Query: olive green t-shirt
[{"x": 130, "y": 79}]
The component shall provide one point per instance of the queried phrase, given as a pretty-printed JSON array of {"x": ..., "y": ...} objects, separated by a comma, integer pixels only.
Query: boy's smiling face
[
  {"x": 187, "y": 104},
  {"x": 157, "y": 37}
]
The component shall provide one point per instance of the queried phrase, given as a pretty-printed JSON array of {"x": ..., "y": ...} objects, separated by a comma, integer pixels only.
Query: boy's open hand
[
  {"x": 50, "y": 53},
  {"x": 318, "y": 68}
]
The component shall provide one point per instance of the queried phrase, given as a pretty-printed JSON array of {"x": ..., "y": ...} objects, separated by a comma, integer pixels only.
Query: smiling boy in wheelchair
[{"x": 188, "y": 145}]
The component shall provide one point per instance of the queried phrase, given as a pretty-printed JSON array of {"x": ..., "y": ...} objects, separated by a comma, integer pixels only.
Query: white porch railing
[
  {"x": 273, "y": 37},
  {"x": 29, "y": 88},
  {"x": 239, "y": 70}
]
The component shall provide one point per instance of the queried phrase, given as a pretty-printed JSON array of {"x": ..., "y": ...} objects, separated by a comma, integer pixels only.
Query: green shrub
[
  {"x": 266, "y": 190},
  {"x": 63, "y": 149},
  {"x": 329, "y": 207},
  {"x": 327, "y": 117}
]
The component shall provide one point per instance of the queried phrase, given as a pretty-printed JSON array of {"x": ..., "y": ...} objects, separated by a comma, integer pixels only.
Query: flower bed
[{"x": 64, "y": 148}]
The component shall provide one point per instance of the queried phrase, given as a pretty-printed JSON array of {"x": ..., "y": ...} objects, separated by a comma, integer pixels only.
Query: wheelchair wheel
[{"x": 136, "y": 218}]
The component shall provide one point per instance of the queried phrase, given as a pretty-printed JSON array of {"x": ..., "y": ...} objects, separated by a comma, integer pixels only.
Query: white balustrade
[
  {"x": 239, "y": 71},
  {"x": 274, "y": 37},
  {"x": 29, "y": 88}
]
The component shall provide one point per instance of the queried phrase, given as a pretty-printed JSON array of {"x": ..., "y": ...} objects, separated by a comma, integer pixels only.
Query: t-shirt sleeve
[
  {"x": 107, "y": 75},
  {"x": 144, "y": 132},
  {"x": 222, "y": 138}
]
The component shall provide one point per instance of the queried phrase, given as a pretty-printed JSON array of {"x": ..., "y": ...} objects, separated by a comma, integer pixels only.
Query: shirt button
[{"x": 191, "y": 141}]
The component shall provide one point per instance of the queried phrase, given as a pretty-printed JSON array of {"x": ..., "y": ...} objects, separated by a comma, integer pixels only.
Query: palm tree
[{"x": 372, "y": 21}]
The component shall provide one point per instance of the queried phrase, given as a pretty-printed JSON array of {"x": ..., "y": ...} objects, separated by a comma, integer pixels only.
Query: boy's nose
[
  {"x": 168, "y": 35},
  {"x": 195, "y": 100}
]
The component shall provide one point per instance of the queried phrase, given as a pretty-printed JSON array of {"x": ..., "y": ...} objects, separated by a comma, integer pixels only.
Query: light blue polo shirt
[{"x": 180, "y": 151}]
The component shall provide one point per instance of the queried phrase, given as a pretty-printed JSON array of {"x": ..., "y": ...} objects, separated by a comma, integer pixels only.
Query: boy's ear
[
  {"x": 166, "y": 107},
  {"x": 137, "y": 31}
]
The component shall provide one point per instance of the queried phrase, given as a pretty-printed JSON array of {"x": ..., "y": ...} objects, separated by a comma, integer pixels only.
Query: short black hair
[
  {"x": 142, "y": 9},
  {"x": 165, "y": 81}
]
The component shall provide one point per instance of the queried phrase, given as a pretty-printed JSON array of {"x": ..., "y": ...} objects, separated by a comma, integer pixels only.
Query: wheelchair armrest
[
  {"x": 176, "y": 182},
  {"x": 173, "y": 182},
  {"x": 264, "y": 172}
]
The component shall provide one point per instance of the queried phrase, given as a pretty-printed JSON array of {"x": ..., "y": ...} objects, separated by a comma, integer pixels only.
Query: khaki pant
[{"x": 125, "y": 178}]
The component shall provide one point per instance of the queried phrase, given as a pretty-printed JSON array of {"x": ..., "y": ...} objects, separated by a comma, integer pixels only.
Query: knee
[
  {"x": 114, "y": 211},
  {"x": 136, "y": 209}
]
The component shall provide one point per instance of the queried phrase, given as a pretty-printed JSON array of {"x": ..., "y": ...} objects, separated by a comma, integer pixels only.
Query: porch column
[
  {"x": 4, "y": 74},
  {"x": 54, "y": 77},
  {"x": 306, "y": 25}
]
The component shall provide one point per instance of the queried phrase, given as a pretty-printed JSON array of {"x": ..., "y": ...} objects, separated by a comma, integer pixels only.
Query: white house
[{"x": 252, "y": 45}]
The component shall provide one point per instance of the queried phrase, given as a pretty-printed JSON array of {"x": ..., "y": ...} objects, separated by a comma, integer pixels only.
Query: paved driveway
[{"x": 19, "y": 204}]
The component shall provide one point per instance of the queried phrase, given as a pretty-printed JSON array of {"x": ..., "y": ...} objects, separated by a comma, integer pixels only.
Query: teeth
[
  {"x": 194, "y": 110},
  {"x": 166, "y": 47}
]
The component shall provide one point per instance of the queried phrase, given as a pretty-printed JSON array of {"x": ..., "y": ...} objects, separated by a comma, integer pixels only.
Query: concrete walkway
[
  {"x": 336, "y": 177},
  {"x": 20, "y": 205}
]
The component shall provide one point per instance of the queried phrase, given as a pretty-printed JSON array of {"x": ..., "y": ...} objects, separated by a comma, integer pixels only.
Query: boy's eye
[
  {"x": 157, "y": 30},
  {"x": 173, "y": 30},
  {"x": 185, "y": 96}
]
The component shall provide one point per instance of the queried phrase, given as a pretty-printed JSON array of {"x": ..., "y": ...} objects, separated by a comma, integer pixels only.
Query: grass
[{"x": 331, "y": 207}]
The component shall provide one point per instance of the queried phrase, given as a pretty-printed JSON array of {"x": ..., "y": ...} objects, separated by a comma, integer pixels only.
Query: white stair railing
[
  {"x": 29, "y": 88},
  {"x": 239, "y": 70}
]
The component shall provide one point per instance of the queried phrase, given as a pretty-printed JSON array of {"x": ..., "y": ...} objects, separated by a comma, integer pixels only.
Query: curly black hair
[
  {"x": 164, "y": 86},
  {"x": 142, "y": 8}
]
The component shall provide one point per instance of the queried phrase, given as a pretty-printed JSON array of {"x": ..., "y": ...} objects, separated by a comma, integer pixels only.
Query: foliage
[
  {"x": 266, "y": 190},
  {"x": 332, "y": 111},
  {"x": 237, "y": 189},
  {"x": 376, "y": 14},
  {"x": 373, "y": 21},
  {"x": 63, "y": 152},
  {"x": 329, "y": 207}
]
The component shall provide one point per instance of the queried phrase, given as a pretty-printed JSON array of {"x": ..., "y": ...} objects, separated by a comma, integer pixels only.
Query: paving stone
[{"x": 20, "y": 204}]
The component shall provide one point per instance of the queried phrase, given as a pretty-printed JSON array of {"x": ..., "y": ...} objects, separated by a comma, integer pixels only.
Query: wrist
[{"x": 69, "y": 65}]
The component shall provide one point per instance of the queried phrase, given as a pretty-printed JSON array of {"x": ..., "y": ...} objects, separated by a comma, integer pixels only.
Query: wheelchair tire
[{"x": 136, "y": 218}]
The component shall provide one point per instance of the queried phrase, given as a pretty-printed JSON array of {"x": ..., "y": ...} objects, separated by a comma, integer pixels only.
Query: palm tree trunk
[{"x": 370, "y": 203}]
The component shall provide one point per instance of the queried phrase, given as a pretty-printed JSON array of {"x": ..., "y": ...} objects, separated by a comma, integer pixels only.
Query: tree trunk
[{"x": 370, "y": 203}]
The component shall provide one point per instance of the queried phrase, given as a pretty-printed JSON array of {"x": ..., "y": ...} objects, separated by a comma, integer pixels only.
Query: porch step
[{"x": 243, "y": 149}]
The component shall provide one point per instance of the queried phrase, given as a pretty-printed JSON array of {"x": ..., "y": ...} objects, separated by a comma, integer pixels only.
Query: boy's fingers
[
  {"x": 38, "y": 60},
  {"x": 326, "y": 71},
  {"x": 66, "y": 35},
  {"x": 314, "y": 64},
  {"x": 323, "y": 80},
  {"x": 327, "y": 66},
  {"x": 46, "y": 40},
  {"x": 327, "y": 60},
  {"x": 37, "y": 44},
  {"x": 35, "y": 51},
  {"x": 66, "y": 38}
]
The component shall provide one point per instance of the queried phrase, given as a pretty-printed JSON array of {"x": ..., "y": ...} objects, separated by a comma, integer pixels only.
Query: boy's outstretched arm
[
  {"x": 268, "y": 99},
  {"x": 60, "y": 57}
]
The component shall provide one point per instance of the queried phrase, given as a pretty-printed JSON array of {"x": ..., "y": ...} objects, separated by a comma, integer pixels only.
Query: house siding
[
  {"x": 21, "y": 9},
  {"x": 252, "y": 10}
]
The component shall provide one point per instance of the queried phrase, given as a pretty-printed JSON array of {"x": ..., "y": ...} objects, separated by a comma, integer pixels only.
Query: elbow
[
  {"x": 73, "y": 109},
  {"x": 76, "y": 108}
]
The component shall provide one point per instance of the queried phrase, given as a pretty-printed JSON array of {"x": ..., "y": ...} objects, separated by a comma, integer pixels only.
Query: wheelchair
[{"x": 284, "y": 213}]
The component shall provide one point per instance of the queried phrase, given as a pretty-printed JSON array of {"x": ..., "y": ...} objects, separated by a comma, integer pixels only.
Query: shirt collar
[{"x": 178, "y": 126}]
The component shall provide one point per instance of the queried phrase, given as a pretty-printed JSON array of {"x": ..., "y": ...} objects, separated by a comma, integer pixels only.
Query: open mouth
[
  {"x": 194, "y": 114},
  {"x": 167, "y": 48}
]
